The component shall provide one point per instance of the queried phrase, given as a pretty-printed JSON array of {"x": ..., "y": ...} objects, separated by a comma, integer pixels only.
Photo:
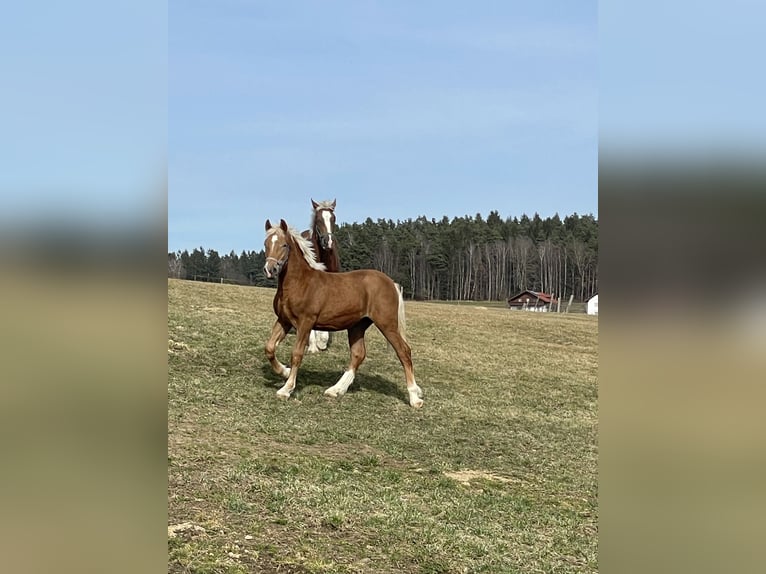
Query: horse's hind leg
[
  {"x": 278, "y": 333},
  {"x": 403, "y": 351},
  {"x": 358, "y": 353}
]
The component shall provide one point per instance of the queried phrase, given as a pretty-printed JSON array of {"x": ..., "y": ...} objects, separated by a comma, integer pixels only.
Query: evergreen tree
[{"x": 463, "y": 258}]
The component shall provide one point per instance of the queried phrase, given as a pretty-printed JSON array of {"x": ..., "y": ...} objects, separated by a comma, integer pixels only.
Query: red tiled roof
[{"x": 544, "y": 297}]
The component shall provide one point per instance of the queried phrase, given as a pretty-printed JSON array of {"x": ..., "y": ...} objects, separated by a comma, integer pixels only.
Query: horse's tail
[{"x": 402, "y": 321}]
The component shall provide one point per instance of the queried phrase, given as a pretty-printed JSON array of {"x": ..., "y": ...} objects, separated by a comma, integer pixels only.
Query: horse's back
[
  {"x": 357, "y": 284},
  {"x": 371, "y": 276},
  {"x": 373, "y": 284}
]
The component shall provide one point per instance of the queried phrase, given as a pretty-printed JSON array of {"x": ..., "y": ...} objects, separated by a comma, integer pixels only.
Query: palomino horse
[
  {"x": 308, "y": 298},
  {"x": 321, "y": 235}
]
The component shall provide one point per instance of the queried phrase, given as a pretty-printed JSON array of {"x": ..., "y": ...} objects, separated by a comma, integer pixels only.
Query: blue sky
[
  {"x": 682, "y": 79},
  {"x": 396, "y": 109},
  {"x": 83, "y": 110}
]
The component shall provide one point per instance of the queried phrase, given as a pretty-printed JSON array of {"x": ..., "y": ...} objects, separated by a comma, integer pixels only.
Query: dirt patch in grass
[{"x": 465, "y": 477}]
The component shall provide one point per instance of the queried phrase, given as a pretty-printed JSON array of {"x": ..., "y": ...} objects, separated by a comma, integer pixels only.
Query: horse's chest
[{"x": 285, "y": 305}]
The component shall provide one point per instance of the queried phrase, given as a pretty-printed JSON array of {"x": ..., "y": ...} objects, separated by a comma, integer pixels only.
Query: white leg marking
[
  {"x": 339, "y": 389},
  {"x": 287, "y": 388},
  {"x": 312, "y": 346},
  {"x": 416, "y": 395},
  {"x": 322, "y": 337}
]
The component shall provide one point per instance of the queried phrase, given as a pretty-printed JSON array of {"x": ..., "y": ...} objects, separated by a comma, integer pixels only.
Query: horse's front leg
[
  {"x": 318, "y": 341},
  {"x": 299, "y": 347},
  {"x": 278, "y": 333},
  {"x": 313, "y": 347}
]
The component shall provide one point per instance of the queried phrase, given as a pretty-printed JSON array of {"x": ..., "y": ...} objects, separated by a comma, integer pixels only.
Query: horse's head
[
  {"x": 324, "y": 222},
  {"x": 277, "y": 248}
]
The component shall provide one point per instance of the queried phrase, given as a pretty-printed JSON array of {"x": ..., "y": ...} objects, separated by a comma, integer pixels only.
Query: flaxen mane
[{"x": 304, "y": 245}]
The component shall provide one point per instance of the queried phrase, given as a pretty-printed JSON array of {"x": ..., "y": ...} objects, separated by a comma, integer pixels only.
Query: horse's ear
[
  {"x": 333, "y": 204},
  {"x": 268, "y": 225},
  {"x": 283, "y": 225},
  {"x": 314, "y": 204}
]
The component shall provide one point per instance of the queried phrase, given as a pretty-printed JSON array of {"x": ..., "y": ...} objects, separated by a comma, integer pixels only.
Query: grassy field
[{"x": 496, "y": 473}]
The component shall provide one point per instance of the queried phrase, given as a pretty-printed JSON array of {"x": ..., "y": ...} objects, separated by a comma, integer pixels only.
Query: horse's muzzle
[{"x": 272, "y": 269}]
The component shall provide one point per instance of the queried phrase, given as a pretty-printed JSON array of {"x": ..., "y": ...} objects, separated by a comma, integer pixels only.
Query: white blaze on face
[
  {"x": 274, "y": 240},
  {"x": 266, "y": 269},
  {"x": 328, "y": 227}
]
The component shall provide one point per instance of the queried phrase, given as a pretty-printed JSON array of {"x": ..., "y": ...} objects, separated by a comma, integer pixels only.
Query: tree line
[{"x": 465, "y": 258}]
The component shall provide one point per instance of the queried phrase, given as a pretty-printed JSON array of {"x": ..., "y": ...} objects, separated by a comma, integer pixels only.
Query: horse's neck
[
  {"x": 315, "y": 244},
  {"x": 296, "y": 266},
  {"x": 330, "y": 259}
]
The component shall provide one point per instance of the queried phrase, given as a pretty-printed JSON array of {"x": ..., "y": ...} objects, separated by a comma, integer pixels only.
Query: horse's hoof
[
  {"x": 283, "y": 396},
  {"x": 416, "y": 396},
  {"x": 332, "y": 393}
]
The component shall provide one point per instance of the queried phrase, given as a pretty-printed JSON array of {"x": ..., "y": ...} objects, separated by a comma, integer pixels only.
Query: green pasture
[{"x": 497, "y": 472}]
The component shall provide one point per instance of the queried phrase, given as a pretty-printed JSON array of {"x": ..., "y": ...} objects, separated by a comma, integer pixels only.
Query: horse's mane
[
  {"x": 304, "y": 245},
  {"x": 325, "y": 204}
]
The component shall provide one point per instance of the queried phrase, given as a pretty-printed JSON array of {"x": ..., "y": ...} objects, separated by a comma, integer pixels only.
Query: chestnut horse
[
  {"x": 309, "y": 298},
  {"x": 321, "y": 235}
]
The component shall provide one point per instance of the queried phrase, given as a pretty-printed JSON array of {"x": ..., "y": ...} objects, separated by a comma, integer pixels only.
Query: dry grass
[{"x": 497, "y": 473}]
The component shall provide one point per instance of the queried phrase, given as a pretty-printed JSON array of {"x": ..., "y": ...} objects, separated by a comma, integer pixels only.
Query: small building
[
  {"x": 532, "y": 301},
  {"x": 592, "y": 305}
]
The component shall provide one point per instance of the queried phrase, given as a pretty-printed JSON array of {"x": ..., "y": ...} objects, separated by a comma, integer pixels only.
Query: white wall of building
[{"x": 592, "y": 306}]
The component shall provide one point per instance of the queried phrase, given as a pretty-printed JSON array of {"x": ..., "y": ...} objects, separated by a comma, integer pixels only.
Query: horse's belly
[{"x": 334, "y": 321}]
